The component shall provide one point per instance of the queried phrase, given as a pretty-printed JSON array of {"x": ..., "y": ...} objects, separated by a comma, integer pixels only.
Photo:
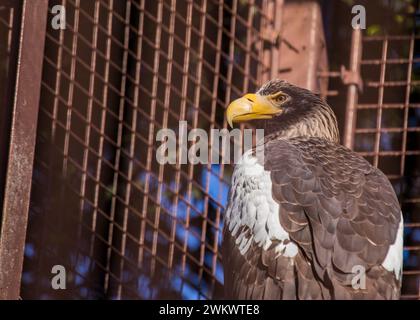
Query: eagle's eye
[{"x": 279, "y": 97}]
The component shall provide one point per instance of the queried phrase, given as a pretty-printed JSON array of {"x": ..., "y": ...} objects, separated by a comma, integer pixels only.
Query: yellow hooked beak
[{"x": 251, "y": 107}]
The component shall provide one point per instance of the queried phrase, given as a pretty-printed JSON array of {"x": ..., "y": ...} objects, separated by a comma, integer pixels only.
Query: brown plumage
[{"x": 338, "y": 210}]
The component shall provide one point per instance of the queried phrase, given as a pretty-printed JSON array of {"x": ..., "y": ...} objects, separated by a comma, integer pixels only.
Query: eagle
[{"x": 307, "y": 218}]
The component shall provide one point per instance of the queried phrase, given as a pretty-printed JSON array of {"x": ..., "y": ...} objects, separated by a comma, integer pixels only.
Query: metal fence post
[
  {"x": 22, "y": 145},
  {"x": 353, "y": 80}
]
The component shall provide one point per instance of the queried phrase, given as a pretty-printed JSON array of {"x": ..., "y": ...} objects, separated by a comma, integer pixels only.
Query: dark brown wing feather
[
  {"x": 261, "y": 274},
  {"x": 340, "y": 210}
]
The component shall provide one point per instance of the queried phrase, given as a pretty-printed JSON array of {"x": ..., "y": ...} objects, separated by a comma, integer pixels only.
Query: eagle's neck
[{"x": 323, "y": 125}]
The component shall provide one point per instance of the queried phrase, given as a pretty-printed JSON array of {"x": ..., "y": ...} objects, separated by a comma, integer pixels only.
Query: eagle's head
[{"x": 286, "y": 110}]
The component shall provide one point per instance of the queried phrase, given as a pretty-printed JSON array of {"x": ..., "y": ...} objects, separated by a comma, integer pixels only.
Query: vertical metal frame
[
  {"x": 7, "y": 87},
  {"x": 353, "y": 80},
  {"x": 22, "y": 145}
]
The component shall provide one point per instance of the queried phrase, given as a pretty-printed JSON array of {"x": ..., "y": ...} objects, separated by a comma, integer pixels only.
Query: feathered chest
[{"x": 252, "y": 216}]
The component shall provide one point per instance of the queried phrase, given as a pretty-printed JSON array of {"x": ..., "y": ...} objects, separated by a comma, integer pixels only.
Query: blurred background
[{"x": 125, "y": 227}]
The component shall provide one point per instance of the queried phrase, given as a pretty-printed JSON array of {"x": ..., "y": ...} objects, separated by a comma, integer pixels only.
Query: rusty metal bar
[
  {"x": 22, "y": 145},
  {"x": 353, "y": 88},
  {"x": 407, "y": 106},
  {"x": 10, "y": 53},
  {"x": 94, "y": 57},
  {"x": 100, "y": 160},
  {"x": 151, "y": 137},
  {"x": 381, "y": 93},
  {"x": 117, "y": 166},
  {"x": 184, "y": 110},
  {"x": 212, "y": 125},
  {"x": 132, "y": 139}
]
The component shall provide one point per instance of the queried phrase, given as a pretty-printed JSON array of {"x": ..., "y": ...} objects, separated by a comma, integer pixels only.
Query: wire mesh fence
[
  {"x": 125, "y": 226},
  {"x": 386, "y": 129},
  {"x": 102, "y": 206},
  {"x": 387, "y": 133}
]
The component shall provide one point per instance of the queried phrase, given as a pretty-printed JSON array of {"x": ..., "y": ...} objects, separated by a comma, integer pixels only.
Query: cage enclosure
[{"x": 82, "y": 102}]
